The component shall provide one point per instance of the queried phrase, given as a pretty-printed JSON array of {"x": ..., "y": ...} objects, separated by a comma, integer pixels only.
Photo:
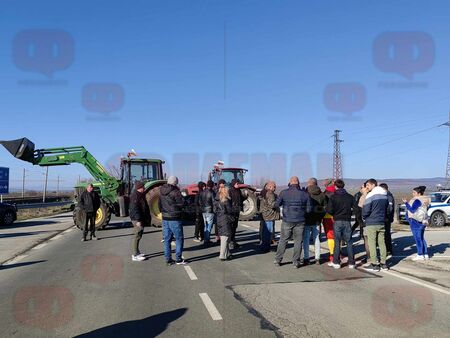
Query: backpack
[{"x": 421, "y": 214}]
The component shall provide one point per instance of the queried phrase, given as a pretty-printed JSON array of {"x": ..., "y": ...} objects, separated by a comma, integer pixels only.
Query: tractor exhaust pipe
[{"x": 22, "y": 148}]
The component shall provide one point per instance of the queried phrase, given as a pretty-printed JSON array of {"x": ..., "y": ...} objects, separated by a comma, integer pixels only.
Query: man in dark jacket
[
  {"x": 199, "y": 233},
  {"x": 296, "y": 205},
  {"x": 89, "y": 204},
  {"x": 237, "y": 205},
  {"x": 359, "y": 222},
  {"x": 340, "y": 206},
  {"x": 171, "y": 204},
  {"x": 206, "y": 200},
  {"x": 389, "y": 219},
  {"x": 140, "y": 217},
  {"x": 314, "y": 219}
]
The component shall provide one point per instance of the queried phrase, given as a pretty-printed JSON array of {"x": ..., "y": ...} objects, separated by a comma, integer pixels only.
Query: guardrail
[
  {"x": 43, "y": 205},
  {"x": 36, "y": 199}
]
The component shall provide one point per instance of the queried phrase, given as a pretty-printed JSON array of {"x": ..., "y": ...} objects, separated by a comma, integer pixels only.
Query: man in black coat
[
  {"x": 389, "y": 219},
  {"x": 237, "y": 205},
  {"x": 340, "y": 206},
  {"x": 171, "y": 203},
  {"x": 140, "y": 217},
  {"x": 206, "y": 201},
  {"x": 89, "y": 204}
]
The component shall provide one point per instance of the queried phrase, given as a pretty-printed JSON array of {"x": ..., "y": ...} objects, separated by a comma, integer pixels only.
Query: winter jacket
[
  {"x": 340, "y": 205},
  {"x": 375, "y": 207},
  {"x": 89, "y": 201},
  {"x": 268, "y": 208},
  {"x": 329, "y": 191},
  {"x": 198, "y": 207},
  {"x": 357, "y": 210},
  {"x": 296, "y": 204},
  {"x": 206, "y": 200},
  {"x": 237, "y": 201},
  {"x": 412, "y": 207},
  {"x": 391, "y": 208},
  {"x": 319, "y": 202},
  {"x": 224, "y": 215},
  {"x": 139, "y": 210},
  {"x": 171, "y": 203}
]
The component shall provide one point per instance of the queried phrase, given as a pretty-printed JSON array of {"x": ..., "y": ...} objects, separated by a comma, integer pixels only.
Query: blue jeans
[
  {"x": 208, "y": 219},
  {"x": 174, "y": 228},
  {"x": 343, "y": 230},
  {"x": 266, "y": 235},
  {"x": 418, "y": 231},
  {"x": 314, "y": 231}
]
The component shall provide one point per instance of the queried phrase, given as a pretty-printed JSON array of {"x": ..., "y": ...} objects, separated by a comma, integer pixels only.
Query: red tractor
[{"x": 228, "y": 174}]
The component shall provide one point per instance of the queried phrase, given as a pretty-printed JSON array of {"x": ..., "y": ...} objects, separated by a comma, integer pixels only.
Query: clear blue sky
[{"x": 168, "y": 57}]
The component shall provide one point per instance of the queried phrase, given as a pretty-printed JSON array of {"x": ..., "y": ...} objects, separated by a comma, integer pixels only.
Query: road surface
[{"x": 68, "y": 288}]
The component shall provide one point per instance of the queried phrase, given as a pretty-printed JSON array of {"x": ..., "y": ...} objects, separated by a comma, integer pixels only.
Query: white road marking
[
  {"x": 415, "y": 281},
  {"x": 190, "y": 272},
  {"x": 249, "y": 227},
  {"x": 40, "y": 246},
  {"x": 214, "y": 313},
  {"x": 16, "y": 259}
]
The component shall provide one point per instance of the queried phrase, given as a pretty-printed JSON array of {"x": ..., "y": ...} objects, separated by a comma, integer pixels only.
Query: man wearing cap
[
  {"x": 171, "y": 204},
  {"x": 140, "y": 217},
  {"x": 89, "y": 204},
  {"x": 296, "y": 205}
]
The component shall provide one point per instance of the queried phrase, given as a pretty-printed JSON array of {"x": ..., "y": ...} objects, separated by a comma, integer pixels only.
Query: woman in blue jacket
[{"x": 418, "y": 220}]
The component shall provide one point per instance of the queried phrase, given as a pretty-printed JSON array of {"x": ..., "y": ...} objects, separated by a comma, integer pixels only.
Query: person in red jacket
[{"x": 327, "y": 220}]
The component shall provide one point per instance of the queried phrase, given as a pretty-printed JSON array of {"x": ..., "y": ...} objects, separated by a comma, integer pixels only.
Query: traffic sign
[{"x": 4, "y": 180}]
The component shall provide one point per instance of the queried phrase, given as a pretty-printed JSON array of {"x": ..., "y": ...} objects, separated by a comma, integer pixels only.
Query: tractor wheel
[
  {"x": 103, "y": 217},
  {"x": 152, "y": 201},
  {"x": 250, "y": 207},
  {"x": 78, "y": 218},
  {"x": 438, "y": 219}
]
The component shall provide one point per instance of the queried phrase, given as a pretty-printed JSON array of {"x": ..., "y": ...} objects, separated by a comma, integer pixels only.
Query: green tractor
[{"x": 114, "y": 192}]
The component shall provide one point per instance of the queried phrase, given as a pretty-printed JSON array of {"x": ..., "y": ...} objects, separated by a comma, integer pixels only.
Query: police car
[{"x": 438, "y": 212}]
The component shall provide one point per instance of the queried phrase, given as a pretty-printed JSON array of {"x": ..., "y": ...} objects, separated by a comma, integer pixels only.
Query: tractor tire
[
  {"x": 438, "y": 219},
  {"x": 250, "y": 207},
  {"x": 102, "y": 218},
  {"x": 152, "y": 197}
]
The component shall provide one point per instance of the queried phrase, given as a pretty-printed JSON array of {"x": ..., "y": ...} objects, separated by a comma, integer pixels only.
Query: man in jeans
[
  {"x": 296, "y": 204},
  {"x": 389, "y": 220},
  {"x": 140, "y": 217},
  {"x": 171, "y": 204},
  {"x": 374, "y": 213},
  {"x": 314, "y": 219},
  {"x": 340, "y": 206},
  {"x": 206, "y": 200}
]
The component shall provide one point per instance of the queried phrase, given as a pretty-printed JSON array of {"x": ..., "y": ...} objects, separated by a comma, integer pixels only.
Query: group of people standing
[{"x": 303, "y": 211}]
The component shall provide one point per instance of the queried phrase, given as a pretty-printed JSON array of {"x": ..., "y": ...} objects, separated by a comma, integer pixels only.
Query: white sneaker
[
  {"x": 162, "y": 241},
  {"x": 351, "y": 266},
  {"x": 330, "y": 263},
  {"x": 336, "y": 266},
  {"x": 141, "y": 255},
  {"x": 418, "y": 258},
  {"x": 173, "y": 244},
  {"x": 137, "y": 258},
  {"x": 427, "y": 257}
]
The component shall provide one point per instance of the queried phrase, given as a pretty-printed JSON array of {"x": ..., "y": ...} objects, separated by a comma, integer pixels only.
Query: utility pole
[
  {"x": 447, "y": 171},
  {"x": 23, "y": 183},
  {"x": 337, "y": 158},
  {"x": 45, "y": 186},
  {"x": 57, "y": 188}
]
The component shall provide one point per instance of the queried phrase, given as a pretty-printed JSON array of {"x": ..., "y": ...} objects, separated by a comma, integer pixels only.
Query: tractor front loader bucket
[{"x": 22, "y": 148}]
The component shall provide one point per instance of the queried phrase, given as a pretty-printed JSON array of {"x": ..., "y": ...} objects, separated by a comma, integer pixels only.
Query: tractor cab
[
  {"x": 138, "y": 169},
  {"x": 227, "y": 174}
]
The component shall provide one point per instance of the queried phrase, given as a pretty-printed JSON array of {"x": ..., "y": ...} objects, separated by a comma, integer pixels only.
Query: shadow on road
[
  {"x": 16, "y": 265},
  {"x": 23, "y": 224},
  {"x": 147, "y": 327},
  {"x": 21, "y": 234}
]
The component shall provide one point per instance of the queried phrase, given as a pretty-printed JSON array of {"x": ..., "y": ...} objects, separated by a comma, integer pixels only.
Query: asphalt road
[{"x": 67, "y": 288}]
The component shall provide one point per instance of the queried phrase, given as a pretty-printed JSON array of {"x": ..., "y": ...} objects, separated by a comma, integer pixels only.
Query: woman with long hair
[
  {"x": 418, "y": 220},
  {"x": 224, "y": 215}
]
